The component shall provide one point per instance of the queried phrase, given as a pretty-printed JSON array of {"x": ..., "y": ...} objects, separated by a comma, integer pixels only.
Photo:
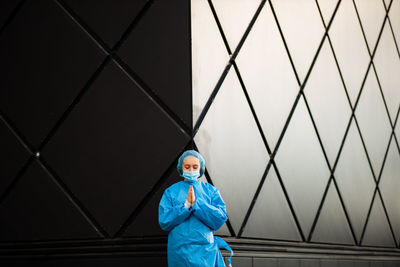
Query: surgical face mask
[{"x": 191, "y": 176}]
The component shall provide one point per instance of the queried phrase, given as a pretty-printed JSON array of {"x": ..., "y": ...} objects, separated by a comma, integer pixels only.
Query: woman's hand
[
  {"x": 193, "y": 198},
  {"x": 190, "y": 197}
]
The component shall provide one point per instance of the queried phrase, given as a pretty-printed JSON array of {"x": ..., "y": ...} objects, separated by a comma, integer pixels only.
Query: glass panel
[
  {"x": 373, "y": 121},
  {"x": 303, "y": 30},
  {"x": 328, "y": 102},
  {"x": 224, "y": 231},
  {"x": 228, "y": 134},
  {"x": 232, "y": 146},
  {"x": 387, "y": 63},
  {"x": 397, "y": 130},
  {"x": 209, "y": 55},
  {"x": 390, "y": 187},
  {"x": 302, "y": 166},
  {"x": 378, "y": 232},
  {"x": 271, "y": 216},
  {"x": 349, "y": 46},
  {"x": 268, "y": 75},
  {"x": 394, "y": 15},
  {"x": 327, "y": 7},
  {"x": 372, "y": 14},
  {"x": 235, "y": 16},
  {"x": 387, "y": 2},
  {"x": 355, "y": 181},
  {"x": 332, "y": 226}
]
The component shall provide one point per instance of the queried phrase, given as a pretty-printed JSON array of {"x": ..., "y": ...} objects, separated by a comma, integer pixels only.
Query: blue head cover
[{"x": 191, "y": 153}]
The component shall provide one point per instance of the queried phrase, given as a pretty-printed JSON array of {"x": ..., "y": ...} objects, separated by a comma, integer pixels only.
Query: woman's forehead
[{"x": 191, "y": 160}]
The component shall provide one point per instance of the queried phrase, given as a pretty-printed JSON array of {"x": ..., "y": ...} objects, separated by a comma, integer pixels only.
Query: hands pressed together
[{"x": 190, "y": 197}]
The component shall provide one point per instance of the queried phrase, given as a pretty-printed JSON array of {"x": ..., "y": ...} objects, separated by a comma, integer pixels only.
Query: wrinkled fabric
[
  {"x": 191, "y": 153},
  {"x": 191, "y": 231},
  {"x": 222, "y": 244}
]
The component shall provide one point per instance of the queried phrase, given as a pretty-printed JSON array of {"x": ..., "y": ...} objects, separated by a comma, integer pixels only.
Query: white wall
[{"x": 323, "y": 158}]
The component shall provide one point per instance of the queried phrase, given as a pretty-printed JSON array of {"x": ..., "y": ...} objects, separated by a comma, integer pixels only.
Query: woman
[{"x": 191, "y": 211}]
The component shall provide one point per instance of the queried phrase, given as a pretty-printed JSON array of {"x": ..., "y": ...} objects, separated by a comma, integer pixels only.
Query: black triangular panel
[
  {"x": 113, "y": 147},
  {"x": 46, "y": 59},
  {"x": 155, "y": 45},
  {"x": 37, "y": 209},
  {"x": 6, "y": 9},
  {"x": 332, "y": 226},
  {"x": 378, "y": 231},
  {"x": 108, "y": 18},
  {"x": 146, "y": 223},
  {"x": 12, "y": 156}
]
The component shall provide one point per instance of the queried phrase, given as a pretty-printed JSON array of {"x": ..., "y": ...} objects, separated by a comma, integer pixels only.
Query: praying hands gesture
[{"x": 190, "y": 197}]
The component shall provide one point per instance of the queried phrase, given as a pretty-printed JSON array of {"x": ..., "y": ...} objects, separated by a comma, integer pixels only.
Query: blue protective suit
[{"x": 191, "y": 239}]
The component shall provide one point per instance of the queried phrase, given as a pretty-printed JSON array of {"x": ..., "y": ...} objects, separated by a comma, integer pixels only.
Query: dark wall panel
[
  {"x": 108, "y": 19},
  {"x": 37, "y": 209},
  {"x": 151, "y": 52},
  {"x": 114, "y": 147},
  {"x": 106, "y": 139},
  {"x": 12, "y": 156},
  {"x": 7, "y": 7},
  {"x": 98, "y": 262},
  {"x": 146, "y": 222},
  {"x": 46, "y": 59}
]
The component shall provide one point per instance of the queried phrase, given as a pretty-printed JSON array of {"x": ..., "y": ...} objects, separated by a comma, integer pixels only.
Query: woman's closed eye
[{"x": 194, "y": 166}]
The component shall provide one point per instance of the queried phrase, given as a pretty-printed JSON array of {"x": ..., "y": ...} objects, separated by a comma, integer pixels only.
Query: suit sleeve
[
  {"x": 170, "y": 215},
  {"x": 214, "y": 214}
]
